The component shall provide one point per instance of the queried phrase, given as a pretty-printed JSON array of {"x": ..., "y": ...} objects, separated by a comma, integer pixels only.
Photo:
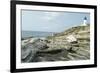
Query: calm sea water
[{"x": 35, "y": 34}]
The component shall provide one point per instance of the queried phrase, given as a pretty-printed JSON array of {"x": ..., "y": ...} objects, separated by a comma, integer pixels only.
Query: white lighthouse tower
[{"x": 84, "y": 21}]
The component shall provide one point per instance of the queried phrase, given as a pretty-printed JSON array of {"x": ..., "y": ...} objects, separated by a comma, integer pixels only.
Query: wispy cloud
[{"x": 50, "y": 15}]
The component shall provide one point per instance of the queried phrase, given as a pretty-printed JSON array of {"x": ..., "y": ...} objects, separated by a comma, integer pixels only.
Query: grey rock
[{"x": 28, "y": 53}]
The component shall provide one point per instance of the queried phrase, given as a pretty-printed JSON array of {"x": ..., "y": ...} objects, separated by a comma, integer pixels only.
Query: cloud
[{"x": 50, "y": 15}]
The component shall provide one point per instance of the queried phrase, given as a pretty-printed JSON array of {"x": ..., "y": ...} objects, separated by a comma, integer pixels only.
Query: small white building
[{"x": 84, "y": 21}]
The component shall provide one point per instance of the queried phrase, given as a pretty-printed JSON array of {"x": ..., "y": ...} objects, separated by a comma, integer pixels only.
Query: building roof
[{"x": 85, "y": 18}]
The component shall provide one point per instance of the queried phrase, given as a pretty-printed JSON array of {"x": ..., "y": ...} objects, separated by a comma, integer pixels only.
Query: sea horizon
[{"x": 38, "y": 34}]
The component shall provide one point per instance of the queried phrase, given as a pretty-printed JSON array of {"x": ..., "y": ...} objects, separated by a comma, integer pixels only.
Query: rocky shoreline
[
  {"x": 57, "y": 48},
  {"x": 39, "y": 51}
]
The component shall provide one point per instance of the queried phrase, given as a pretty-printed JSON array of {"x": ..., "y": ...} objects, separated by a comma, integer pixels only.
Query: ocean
[{"x": 25, "y": 34}]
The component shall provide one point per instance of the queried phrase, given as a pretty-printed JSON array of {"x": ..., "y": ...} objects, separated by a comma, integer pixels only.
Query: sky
[{"x": 51, "y": 21}]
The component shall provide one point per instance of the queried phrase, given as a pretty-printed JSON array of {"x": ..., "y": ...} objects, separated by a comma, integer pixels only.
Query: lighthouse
[{"x": 84, "y": 21}]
